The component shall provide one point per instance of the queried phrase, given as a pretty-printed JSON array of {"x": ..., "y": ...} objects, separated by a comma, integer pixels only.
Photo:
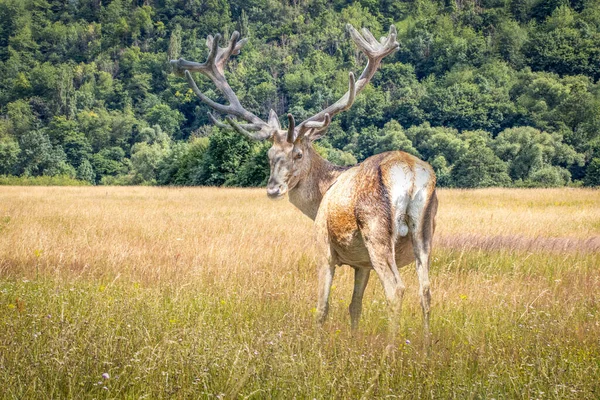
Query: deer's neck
[{"x": 309, "y": 192}]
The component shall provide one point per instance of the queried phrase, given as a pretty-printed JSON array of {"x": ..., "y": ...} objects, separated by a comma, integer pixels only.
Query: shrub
[
  {"x": 43, "y": 180},
  {"x": 592, "y": 175}
]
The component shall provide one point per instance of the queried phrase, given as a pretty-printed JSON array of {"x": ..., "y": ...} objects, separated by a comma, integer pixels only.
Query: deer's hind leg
[
  {"x": 379, "y": 242},
  {"x": 422, "y": 225}
]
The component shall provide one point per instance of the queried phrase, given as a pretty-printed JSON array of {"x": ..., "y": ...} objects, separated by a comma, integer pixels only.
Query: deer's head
[{"x": 290, "y": 153}]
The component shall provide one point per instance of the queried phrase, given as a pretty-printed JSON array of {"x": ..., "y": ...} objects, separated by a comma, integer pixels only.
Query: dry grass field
[{"x": 141, "y": 292}]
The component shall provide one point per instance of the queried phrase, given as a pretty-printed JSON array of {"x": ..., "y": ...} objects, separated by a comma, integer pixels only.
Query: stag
[{"x": 377, "y": 215}]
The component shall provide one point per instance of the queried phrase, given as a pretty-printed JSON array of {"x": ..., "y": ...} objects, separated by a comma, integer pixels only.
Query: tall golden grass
[{"x": 205, "y": 292}]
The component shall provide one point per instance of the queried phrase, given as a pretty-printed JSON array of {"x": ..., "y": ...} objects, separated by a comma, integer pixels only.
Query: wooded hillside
[{"x": 490, "y": 92}]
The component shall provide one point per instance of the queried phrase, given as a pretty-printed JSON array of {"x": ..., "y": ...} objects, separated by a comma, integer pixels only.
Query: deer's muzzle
[{"x": 275, "y": 192}]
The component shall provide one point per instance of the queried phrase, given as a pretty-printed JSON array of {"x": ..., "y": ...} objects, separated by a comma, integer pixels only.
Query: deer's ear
[{"x": 274, "y": 120}]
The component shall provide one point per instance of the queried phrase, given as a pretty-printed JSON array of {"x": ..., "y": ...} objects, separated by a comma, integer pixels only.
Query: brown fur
[{"x": 355, "y": 217}]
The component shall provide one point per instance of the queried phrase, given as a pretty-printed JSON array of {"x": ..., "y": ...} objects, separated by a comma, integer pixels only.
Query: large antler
[
  {"x": 214, "y": 68},
  {"x": 375, "y": 52}
]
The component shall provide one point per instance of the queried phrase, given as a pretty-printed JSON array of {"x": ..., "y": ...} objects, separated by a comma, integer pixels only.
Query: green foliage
[
  {"x": 110, "y": 161},
  {"x": 372, "y": 140},
  {"x": 510, "y": 39},
  {"x": 255, "y": 170},
  {"x": 479, "y": 167},
  {"x": 86, "y": 89},
  {"x": 20, "y": 116},
  {"x": 549, "y": 176},
  {"x": 9, "y": 155},
  {"x": 145, "y": 160},
  {"x": 39, "y": 157},
  {"x": 340, "y": 157},
  {"x": 530, "y": 155},
  {"x": 565, "y": 44},
  {"x": 223, "y": 159},
  {"x": 183, "y": 163},
  {"x": 44, "y": 180},
  {"x": 592, "y": 176},
  {"x": 433, "y": 141},
  {"x": 85, "y": 172},
  {"x": 163, "y": 116},
  {"x": 442, "y": 170}
]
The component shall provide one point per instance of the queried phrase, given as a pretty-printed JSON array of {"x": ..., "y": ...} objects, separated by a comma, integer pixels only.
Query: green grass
[{"x": 189, "y": 340}]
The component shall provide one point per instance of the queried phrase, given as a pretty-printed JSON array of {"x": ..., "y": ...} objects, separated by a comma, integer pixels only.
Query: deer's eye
[{"x": 298, "y": 155}]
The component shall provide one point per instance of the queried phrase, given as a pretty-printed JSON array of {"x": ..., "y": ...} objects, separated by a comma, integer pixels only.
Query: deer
[{"x": 377, "y": 215}]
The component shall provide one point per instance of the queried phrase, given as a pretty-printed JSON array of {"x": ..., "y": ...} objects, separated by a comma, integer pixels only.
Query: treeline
[{"x": 490, "y": 92}]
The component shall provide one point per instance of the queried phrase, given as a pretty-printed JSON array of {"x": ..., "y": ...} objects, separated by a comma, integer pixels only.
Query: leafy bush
[
  {"x": 56, "y": 180},
  {"x": 592, "y": 176},
  {"x": 479, "y": 167}
]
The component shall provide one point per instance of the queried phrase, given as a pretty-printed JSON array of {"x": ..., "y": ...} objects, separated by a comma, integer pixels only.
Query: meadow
[{"x": 145, "y": 292}]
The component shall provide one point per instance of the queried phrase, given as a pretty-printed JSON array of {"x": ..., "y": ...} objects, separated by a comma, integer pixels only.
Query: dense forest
[{"x": 489, "y": 92}]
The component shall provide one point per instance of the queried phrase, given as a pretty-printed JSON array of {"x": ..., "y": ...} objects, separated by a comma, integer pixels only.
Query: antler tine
[
  {"x": 219, "y": 107},
  {"x": 235, "y": 36},
  {"x": 375, "y": 52},
  {"x": 319, "y": 125},
  {"x": 217, "y": 122},
  {"x": 291, "y": 128},
  {"x": 214, "y": 50},
  {"x": 314, "y": 127},
  {"x": 229, "y": 50},
  {"x": 351, "y": 91},
  {"x": 238, "y": 46},
  {"x": 261, "y": 135},
  {"x": 369, "y": 37},
  {"x": 214, "y": 68},
  {"x": 357, "y": 37},
  {"x": 221, "y": 124},
  {"x": 373, "y": 49}
]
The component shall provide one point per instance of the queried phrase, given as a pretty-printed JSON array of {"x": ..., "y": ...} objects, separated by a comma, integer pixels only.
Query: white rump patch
[
  {"x": 401, "y": 187},
  {"x": 419, "y": 196}
]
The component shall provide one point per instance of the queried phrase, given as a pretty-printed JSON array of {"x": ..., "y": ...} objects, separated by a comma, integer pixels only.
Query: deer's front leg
[
  {"x": 361, "y": 278},
  {"x": 326, "y": 271}
]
